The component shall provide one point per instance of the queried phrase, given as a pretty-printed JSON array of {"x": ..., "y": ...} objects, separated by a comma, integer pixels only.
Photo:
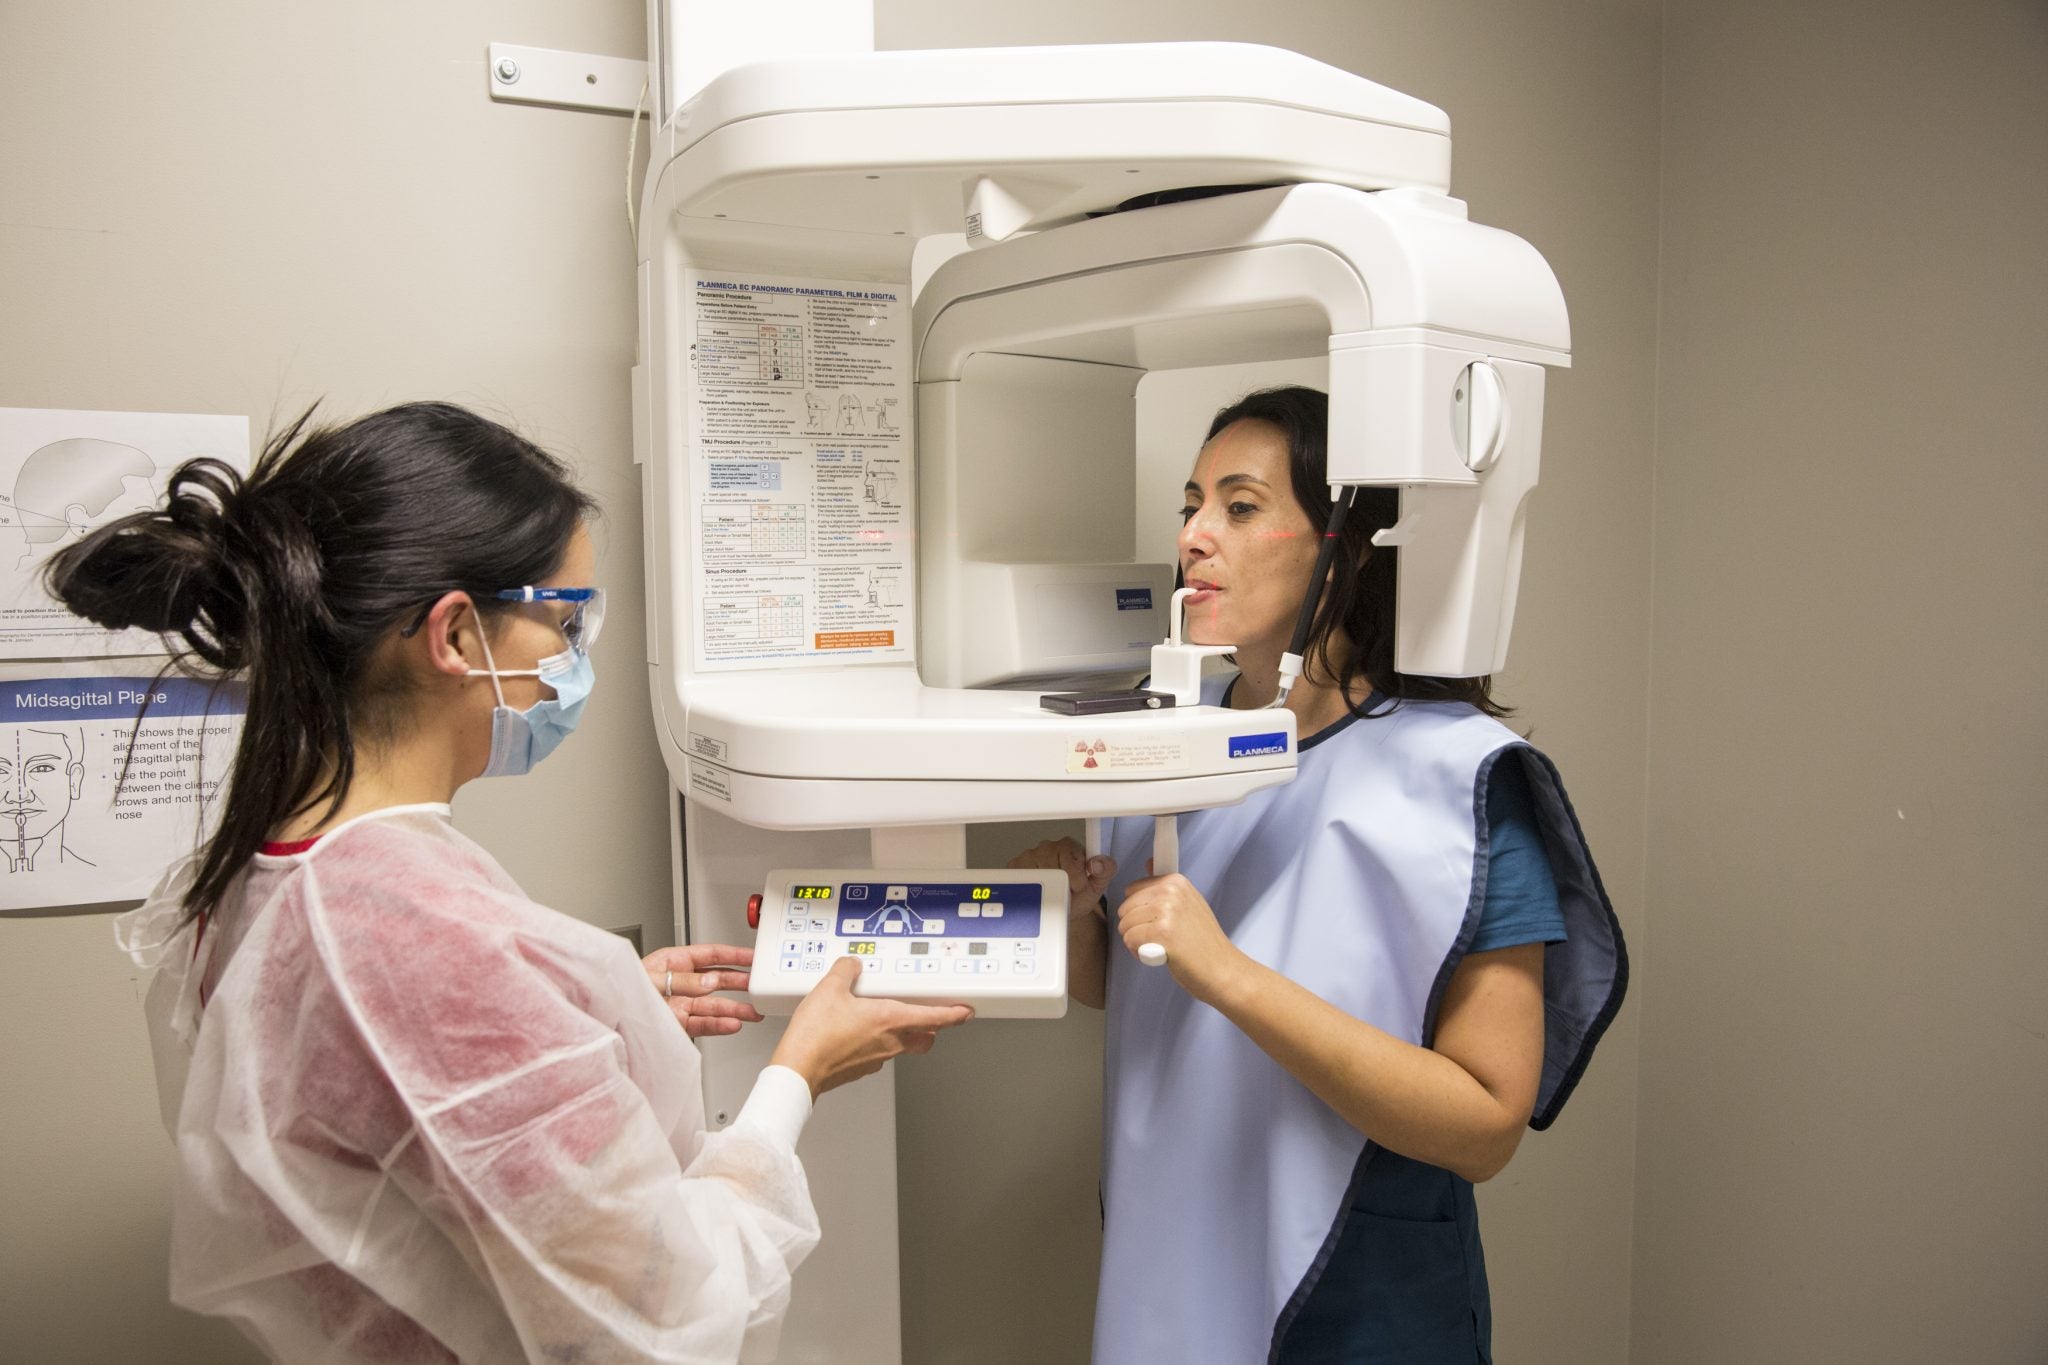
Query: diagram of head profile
[
  {"x": 65, "y": 488},
  {"x": 42, "y": 772},
  {"x": 878, "y": 485}
]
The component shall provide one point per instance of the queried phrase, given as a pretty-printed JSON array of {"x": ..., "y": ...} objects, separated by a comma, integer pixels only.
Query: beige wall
[
  {"x": 239, "y": 207},
  {"x": 1845, "y": 1080}
]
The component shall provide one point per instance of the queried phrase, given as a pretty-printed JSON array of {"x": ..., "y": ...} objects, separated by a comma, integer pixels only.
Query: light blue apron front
[{"x": 1225, "y": 1180}]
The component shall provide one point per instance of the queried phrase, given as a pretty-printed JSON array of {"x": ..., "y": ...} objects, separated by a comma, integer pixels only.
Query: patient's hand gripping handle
[{"x": 1165, "y": 859}]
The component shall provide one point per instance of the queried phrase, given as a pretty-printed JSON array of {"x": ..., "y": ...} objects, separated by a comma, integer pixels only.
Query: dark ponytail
[
  {"x": 1361, "y": 596},
  {"x": 288, "y": 581}
]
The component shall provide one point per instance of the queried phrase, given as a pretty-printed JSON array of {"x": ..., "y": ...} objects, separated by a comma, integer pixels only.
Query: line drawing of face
[{"x": 42, "y": 772}]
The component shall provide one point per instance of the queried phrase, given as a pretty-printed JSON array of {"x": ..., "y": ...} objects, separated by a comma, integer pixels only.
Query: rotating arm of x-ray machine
[{"x": 1435, "y": 329}]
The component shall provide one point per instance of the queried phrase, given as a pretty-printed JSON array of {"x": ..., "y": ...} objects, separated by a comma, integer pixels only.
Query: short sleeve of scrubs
[{"x": 1521, "y": 893}]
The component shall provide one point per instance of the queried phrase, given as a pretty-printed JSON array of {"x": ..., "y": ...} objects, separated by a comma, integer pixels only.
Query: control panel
[{"x": 996, "y": 940}]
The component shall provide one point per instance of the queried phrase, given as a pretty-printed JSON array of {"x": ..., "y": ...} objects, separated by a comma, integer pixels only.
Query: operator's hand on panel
[
  {"x": 690, "y": 977},
  {"x": 1087, "y": 878},
  {"x": 1170, "y": 912},
  {"x": 836, "y": 1036}
]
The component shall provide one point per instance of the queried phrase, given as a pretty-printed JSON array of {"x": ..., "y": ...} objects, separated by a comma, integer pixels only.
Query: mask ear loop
[{"x": 490, "y": 664}]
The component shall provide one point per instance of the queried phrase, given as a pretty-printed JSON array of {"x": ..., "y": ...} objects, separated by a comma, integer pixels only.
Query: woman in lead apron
[{"x": 1377, "y": 976}]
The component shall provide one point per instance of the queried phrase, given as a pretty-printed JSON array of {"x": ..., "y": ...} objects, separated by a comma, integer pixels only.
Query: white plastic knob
[{"x": 1479, "y": 416}]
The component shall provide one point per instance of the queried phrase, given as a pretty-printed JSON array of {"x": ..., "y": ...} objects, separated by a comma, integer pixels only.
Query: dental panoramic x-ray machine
[{"x": 890, "y": 505}]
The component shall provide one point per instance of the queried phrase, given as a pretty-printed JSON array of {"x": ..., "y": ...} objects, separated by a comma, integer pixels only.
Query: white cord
[{"x": 632, "y": 155}]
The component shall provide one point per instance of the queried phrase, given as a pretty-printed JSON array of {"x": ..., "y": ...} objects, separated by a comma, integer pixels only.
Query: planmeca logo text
[
  {"x": 1258, "y": 746},
  {"x": 1134, "y": 599}
]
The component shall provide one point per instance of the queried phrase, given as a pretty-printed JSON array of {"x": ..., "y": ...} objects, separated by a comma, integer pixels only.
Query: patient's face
[{"x": 1246, "y": 546}]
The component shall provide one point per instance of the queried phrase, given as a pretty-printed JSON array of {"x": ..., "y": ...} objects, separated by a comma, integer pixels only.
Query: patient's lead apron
[{"x": 1225, "y": 1180}]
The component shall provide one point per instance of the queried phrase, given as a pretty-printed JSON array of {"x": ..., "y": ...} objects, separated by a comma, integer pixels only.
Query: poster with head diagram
[
  {"x": 110, "y": 768},
  {"x": 64, "y": 473}
]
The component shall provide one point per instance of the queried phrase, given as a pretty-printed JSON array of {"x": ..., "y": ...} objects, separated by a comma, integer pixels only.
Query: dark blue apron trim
[
  {"x": 1321, "y": 1263},
  {"x": 1568, "y": 877},
  {"x": 1404, "y": 1279},
  {"x": 1475, "y": 903},
  {"x": 1609, "y": 923}
]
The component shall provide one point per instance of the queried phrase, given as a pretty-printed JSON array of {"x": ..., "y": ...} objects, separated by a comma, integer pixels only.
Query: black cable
[{"x": 1314, "y": 600}]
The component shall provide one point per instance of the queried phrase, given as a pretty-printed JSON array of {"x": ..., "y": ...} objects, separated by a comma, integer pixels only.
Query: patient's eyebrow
[{"x": 1231, "y": 481}]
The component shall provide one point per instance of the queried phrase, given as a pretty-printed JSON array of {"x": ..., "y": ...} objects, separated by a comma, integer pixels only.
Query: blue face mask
[{"x": 520, "y": 739}]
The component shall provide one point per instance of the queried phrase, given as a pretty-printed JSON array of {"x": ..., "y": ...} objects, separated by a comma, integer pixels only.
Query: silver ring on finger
[{"x": 668, "y": 982}]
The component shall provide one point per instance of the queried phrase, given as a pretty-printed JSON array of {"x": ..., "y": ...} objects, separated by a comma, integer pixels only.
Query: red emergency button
[{"x": 754, "y": 911}]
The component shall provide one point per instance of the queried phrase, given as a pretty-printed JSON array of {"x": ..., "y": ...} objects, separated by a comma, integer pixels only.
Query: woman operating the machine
[
  {"x": 1377, "y": 975},
  {"x": 420, "y": 1117}
]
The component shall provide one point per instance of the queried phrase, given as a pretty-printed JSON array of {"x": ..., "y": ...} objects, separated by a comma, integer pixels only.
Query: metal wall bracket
[{"x": 570, "y": 80}]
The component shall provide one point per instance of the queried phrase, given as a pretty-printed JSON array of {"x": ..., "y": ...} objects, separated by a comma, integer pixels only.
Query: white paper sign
[
  {"x": 64, "y": 473},
  {"x": 93, "y": 808},
  {"x": 800, "y": 460}
]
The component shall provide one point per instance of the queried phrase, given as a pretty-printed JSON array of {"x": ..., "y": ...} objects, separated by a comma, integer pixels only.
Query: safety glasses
[
  {"x": 580, "y": 628},
  {"x": 585, "y": 619}
]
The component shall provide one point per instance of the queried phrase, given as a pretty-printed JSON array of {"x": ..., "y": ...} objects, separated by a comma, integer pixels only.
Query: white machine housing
[{"x": 1026, "y": 349}]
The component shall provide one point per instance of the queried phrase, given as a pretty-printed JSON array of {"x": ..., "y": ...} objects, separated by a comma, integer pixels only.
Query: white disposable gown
[{"x": 421, "y": 1118}]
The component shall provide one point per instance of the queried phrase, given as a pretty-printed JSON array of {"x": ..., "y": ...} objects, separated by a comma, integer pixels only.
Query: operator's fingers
[
  {"x": 697, "y": 1026},
  {"x": 697, "y": 957},
  {"x": 909, "y": 1018},
  {"x": 689, "y": 985},
  {"x": 715, "y": 1007},
  {"x": 840, "y": 976}
]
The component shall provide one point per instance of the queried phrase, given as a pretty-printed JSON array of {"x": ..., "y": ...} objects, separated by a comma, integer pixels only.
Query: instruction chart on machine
[{"x": 801, "y": 469}]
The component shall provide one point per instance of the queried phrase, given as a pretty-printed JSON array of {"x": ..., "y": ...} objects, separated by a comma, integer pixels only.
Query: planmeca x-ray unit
[{"x": 894, "y": 311}]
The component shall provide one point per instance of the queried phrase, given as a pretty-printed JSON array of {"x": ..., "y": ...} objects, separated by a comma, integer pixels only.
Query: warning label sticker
[
  {"x": 714, "y": 783},
  {"x": 855, "y": 639},
  {"x": 1095, "y": 754}
]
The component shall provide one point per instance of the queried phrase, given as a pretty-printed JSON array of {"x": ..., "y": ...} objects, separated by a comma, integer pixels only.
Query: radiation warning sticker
[{"x": 1096, "y": 754}]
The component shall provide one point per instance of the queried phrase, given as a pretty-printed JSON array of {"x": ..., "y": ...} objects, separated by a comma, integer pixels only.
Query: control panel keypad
[{"x": 997, "y": 944}]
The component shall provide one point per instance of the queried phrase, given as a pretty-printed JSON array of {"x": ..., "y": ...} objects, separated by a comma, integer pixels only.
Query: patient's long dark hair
[
  {"x": 289, "y": 579},
  {"x": 1360, "y": 596}
]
